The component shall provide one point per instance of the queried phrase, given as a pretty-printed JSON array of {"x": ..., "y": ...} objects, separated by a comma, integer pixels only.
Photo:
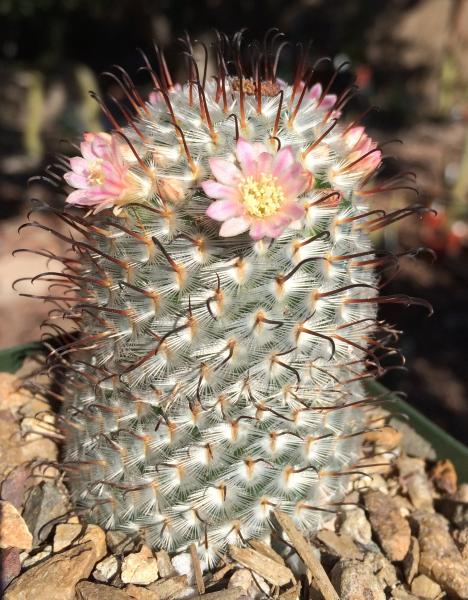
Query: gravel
[{"x": 402, "y": 535}]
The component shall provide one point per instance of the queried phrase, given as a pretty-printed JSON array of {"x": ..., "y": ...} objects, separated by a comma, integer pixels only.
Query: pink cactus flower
[
  {"x": 100, "y": 175},
  {"x": 328, "y": 100},
  {"x": 361, "y": 144},
  {"x": 260, "y": 195}
]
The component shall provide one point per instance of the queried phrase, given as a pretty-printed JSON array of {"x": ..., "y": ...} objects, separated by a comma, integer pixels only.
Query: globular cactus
[{"x": 224, "y": 287}]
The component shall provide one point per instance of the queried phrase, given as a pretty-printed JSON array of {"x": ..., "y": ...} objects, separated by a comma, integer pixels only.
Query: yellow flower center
[
  {"x": 261, "y": 197},
  {"x": 95, "y": 172}
]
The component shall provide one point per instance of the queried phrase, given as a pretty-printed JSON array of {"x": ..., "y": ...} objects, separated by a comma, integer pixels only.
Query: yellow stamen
[
  {"x": 95, "y": 172},
  {"x": 262, "y": 197}
]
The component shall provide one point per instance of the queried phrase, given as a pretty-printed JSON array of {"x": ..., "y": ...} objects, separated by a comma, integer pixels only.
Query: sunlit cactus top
[
  {"x": 258, "y": 146},
  {"x": 223, "y": 297}
]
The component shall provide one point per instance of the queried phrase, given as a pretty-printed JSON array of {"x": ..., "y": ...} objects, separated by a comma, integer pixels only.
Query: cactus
[{"x": 223, "y": 288}]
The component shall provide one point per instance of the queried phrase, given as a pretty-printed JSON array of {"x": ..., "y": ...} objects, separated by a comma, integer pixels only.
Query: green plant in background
[{"x": 222, "y": 288}]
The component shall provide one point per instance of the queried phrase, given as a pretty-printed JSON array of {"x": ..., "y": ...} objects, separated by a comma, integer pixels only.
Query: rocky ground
[{"x": 403, "y": 533}]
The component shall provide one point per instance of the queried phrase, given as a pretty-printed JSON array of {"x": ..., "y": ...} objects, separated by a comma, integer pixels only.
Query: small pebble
[
  {"x": 425, "y": 588},
  {"x": 10, "y": 566},
  {"x": 444, "y": 476},
  {"x": 355, "y": 524},
  {"x": 354, "y": 580},
  {"x": 392, "y": 530},
  {"x": 43, "y": 504},
  {"x": 32, "y": 559},
  {"x": 106, "y": 569},
  {"x": 54, "y": 578},
  {"x": 68, "y": 534},
  {"x": 414, "y": 480},
  {"x": 140, "y": 568},
  {"x": 14, "y": 532}
]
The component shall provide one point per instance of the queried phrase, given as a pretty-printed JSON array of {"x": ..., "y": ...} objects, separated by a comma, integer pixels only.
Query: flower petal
[
  {"x": 100, "y": 147},
  {"x": 87, "y": 151},
  {"x": 75, "y": 180},
  {"x": 264, "y": 163},
  {"x": 328, "y": 101},
  {"x": 225, "y": 171},
  {"x": 247, "y": 153},
  {"x": 219, "y": 191},
  {"x": 315, "y": 92},
  {"x": 79, "y": 165},
  {"x": 293, "y": 182},
  {"x": 234, "y": 226},
  {"x": 258, "y": 230},
  {"x": 293, "y": 210},
  {"x": 81, "y": 197},
  {"x": 283, "y": 160},
  {"x": 275, "y": 227},
  {"x": 224, "y": 209}
]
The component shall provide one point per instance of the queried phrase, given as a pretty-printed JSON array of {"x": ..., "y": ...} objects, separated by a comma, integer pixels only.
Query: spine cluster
[{"x": 222, "y": 286}]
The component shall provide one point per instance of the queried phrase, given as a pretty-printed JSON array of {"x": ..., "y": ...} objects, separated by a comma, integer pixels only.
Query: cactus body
[{"x": 217, "y": 378}]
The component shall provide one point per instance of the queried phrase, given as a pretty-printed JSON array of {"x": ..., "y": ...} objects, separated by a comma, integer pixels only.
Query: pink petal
[
  {"x": 264, "y": 163},
  {"x": 315, "y": 92},
  {"x": 75, "y": 180},
  {"x": 100, "y": 147},
  {"x": 373, "y": 160},
  {"x": 225, "y": 171},
  {"x": 293, "y": 210},
  {"x": 283, "y": 160},
  {"x": 275, "y": 227},
  {"x": 219, "y": 191},
  {"x": 328, "y": 101},
  {"x": 258, "y": 230},
  {"x": 353, "y": 136},
  {"x": 78, "y": 165},
  {"x": 80, "y": 197},
  {"x": 86, "y": 150},
  {"x": 294, "y": 183},
  {"x": 224, "y": 209},
  {"x": 234, "y": 226},
  {"x": 247, "y": 156}
]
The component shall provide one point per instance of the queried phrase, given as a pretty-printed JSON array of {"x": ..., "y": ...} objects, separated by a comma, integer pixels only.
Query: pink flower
[
  {"x": 361, "y": 144},
  {"x": 260, "y": 195},
  {"x": 328, "y": 100},
  {"x": 100, "y": 175}
]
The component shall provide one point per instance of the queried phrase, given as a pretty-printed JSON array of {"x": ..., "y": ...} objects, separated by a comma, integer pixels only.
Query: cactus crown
[{"x": 224, "y": 287}]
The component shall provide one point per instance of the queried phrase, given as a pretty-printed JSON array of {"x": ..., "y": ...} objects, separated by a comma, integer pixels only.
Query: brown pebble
[
  {"x": 411, "y": 561},
  {"x": 13, "y": 530},
  {"x": 266, "y": 567},
  {"x": 10, "y": 566},
  {"x": 68, "y": 534},
  {"x": 140, "y": 568},
  {"x": 54, "y": 578},
  {"x": 168, "y": 587},
  {"x": 354, "y": 580},
  {"x": 414, "y": 479},
  {"x": 339, "y": 545},
  {"x": 15, "y": 485},
  {"x": 440, "y": 558},
  {"x": 444, "y": 476},
  {"x": 86, "y": 590},
  {"x": 391, "y": 529},
  {"x": 424, "y": 587},
  {"x": 384, "y": 437},
  {"x": 165, "y": 567}
]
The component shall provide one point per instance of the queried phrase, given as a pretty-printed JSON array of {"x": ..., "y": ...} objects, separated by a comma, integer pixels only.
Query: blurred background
[{"x": 410, "y": 58}]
